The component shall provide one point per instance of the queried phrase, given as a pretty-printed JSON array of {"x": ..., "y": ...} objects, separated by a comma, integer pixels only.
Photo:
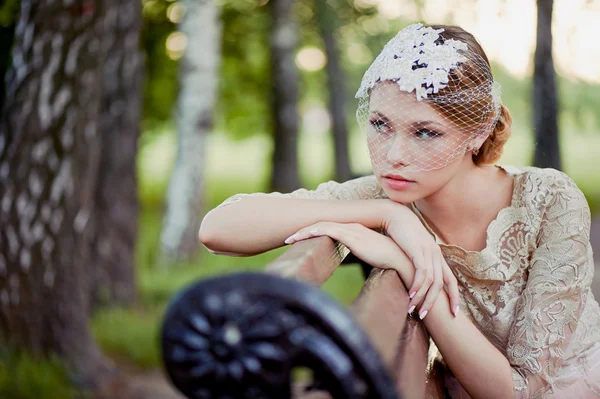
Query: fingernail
[
  {"x": 423, "y": 314},
  {"x": 314, "y": 231},
  {"x": 290, "y": 239},
  {"x": 410, "y": 310},
  {"x": 456, "y": 310},
  {"x": 412, "y": 295}
]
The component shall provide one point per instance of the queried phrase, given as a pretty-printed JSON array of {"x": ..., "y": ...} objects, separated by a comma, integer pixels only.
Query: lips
[
  {"x": 397, "y": 182},
  {"x": 398, "y": 178}
]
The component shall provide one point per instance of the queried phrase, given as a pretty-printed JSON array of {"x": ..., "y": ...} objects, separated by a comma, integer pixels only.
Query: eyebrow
[
  {"x": 381, "y": 116},
  {"x": 426, "y": 123},
  {"x": 415, "y": 123}
]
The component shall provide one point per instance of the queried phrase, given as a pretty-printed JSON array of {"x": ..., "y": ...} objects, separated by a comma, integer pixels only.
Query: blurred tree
[
  {"x": 284, "y": 101},
  {"x": 160, "y": 70},
  {"x": 49, "y": 156},
  {"x": 9, "y": 10},
  {"x": 545, "y": 100},
  {"x": 199, "y": 82},
  {"x": 115, "y": 217},
  {"x": 327, "y": 23}
]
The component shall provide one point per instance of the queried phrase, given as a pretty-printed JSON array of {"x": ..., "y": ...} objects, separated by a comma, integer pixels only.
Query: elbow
[
  {"x": 208, "y": 234},
  {"x": 215, "y": 238}
]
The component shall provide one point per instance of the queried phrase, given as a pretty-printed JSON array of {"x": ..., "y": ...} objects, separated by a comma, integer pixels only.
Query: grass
[{"x": 26, "y": 377}]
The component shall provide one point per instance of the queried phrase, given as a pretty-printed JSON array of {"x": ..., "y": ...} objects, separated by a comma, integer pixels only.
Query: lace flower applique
[{"x": 415, "y": 62}]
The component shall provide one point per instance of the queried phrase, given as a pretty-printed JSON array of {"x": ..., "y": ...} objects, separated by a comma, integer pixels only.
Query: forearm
[
  {"x": 258, "y": 224},
  {"x": 482, "y": 370}
]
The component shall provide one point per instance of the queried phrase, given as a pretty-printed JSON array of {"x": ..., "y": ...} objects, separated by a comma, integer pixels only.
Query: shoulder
[
  {"x": 546, "y": 188},
  {"x": 556, "y": 200}
]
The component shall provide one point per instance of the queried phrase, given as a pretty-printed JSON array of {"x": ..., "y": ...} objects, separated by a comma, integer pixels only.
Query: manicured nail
[
  {"x": 411, "y": 309},
  {"x": 423, "y": 314},
  {"x": 412, "y": 295},
  {"x": 456, "y": 310},
  {"x": 314, "y": 231},
  {"x": 290, "y": 239}
]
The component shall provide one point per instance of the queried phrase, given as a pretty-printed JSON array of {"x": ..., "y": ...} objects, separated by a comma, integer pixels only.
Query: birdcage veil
[{"x": 425, "y": 100}]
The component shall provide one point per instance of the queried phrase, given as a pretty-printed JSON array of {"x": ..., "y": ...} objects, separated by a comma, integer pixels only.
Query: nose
[{"x": 398, "y": 153}]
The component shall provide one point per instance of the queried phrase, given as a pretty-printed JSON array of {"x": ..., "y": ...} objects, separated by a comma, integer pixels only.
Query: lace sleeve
[
  {"x": 356, "y": 189},
  {"x": 560, "y": 275}
]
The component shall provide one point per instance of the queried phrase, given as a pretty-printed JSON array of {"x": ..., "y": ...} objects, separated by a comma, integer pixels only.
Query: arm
[
  {"x": 560, "y": 274},
  {"x": 482, "y": 370},
  {"x": 251, "y": 224},
  {"x": 559, "y": 283}
]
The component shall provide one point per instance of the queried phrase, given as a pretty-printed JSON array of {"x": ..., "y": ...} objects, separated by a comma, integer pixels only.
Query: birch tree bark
[
  {"x": 112, "y": 269},
  {"x": 283, "y": 41},
  {"x": 545, "y": 100},
  {"x": 198, "y": 89},
  {"x": 48, "y": 168}
]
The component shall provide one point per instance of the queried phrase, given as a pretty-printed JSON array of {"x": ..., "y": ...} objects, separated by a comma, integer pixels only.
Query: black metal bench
[{"x": 277, "y": 335}]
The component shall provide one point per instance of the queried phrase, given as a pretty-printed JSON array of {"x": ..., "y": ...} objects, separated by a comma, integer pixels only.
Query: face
[{"x": 414, "y": 149}]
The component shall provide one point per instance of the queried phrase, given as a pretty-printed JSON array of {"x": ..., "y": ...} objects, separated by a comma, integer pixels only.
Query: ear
[{"x": 478, "y": 140}]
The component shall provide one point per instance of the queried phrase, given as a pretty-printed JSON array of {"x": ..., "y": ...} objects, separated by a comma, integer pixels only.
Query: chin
[{"x": 403, "y": 197}]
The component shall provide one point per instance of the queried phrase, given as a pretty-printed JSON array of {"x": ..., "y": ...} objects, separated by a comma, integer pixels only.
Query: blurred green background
[{"x": 239, "y": 147}]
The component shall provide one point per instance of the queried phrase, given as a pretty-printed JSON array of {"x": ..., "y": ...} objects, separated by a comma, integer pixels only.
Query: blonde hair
[{"x": 468, "y": 77}]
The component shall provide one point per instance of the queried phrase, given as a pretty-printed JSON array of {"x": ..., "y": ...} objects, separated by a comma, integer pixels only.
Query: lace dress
[{"x": 528, "y": 291}]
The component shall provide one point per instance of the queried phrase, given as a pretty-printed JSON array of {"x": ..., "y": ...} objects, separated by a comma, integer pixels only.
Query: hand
[
  {"x": 432, "y": 271},
  {"x": 373, "y": 248}
]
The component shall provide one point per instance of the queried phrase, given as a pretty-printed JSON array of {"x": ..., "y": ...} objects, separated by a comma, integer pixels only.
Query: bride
[{"x": 497, "y": 259}]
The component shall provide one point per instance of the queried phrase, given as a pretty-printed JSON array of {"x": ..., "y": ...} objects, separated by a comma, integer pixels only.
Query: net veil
[{"x": 425, "y": 101}]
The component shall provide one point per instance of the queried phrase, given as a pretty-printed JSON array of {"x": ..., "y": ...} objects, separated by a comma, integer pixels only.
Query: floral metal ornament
[{"x": 241, "y": 336}]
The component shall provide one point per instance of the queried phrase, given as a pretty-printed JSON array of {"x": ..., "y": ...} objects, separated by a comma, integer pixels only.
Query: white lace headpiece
[{"x": 455, "y": 100}]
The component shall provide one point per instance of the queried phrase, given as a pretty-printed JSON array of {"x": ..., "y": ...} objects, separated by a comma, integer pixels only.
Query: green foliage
[
  {"x": 579, "y": 103},
  {"x": 243, "y": 107},
  {"x": 26, "y": 377},
  {"x": 9, "y": 11},
  {"x": 130, "y": 334},
  {"x": 161, "y": 72}
]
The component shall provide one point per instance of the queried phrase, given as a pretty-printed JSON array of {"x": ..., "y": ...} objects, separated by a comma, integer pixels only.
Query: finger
[
  {"x": 422, "y": 291},
  {"x": 311, "y": 231},
  {"x": 343, "y": 233},
  {"x": 421, "y": 271},
  {"x": 451, "y": 288},
  {"x": 433, "y": 292}
]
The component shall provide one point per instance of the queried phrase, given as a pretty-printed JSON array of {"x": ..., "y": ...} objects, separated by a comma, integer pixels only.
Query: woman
[{"x": 510, "y": 245}]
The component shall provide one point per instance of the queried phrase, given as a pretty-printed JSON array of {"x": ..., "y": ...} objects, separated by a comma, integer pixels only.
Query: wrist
[{"x": 390, "y": 211}]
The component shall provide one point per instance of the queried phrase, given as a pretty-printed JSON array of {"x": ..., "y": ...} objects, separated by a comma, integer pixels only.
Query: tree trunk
[
  {"x": 112, "y": 271},
  {"x": 545, "y": 102},
  {"x": 335, "y": 81},
  {"x": 48, "y": 169},
  {"x": 283, "y": 41},
  {"x": 199, "y": 82},
  {"x": 6, "y": 39}
]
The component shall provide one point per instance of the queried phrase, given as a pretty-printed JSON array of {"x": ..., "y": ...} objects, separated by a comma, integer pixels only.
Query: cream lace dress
[{"x": 528, "y": 291}]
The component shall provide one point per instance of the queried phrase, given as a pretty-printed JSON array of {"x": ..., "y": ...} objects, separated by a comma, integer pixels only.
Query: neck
[{"x": 459, "y": 195}]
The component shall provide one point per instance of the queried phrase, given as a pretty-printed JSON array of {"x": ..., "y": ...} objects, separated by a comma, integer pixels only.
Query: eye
[
  {"x": 380, "y": 125},
  {"x": 426, "y": 134}
]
